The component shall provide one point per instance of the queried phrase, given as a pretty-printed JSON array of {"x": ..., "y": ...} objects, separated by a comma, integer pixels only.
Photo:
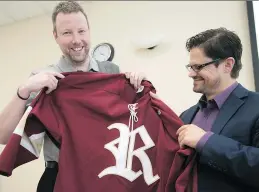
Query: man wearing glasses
[{"x": 223, "y": 126}]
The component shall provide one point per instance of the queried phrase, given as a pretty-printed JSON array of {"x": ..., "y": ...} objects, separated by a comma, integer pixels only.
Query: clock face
[{"x": 102, "y": 52}]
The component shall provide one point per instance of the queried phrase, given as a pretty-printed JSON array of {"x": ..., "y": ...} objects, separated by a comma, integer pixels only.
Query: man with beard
[
  {"x": 72, "y": 34},
  {"x": 224, "y": 125}
]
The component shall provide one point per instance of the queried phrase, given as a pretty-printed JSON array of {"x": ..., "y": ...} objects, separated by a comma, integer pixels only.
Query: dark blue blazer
[{"x": 229, "y": 161}]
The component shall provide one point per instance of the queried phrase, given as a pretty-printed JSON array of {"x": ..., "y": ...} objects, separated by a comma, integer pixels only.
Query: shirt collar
[
  {"x": 65, "y": 65},
  {"x": 219, "y": 99}
]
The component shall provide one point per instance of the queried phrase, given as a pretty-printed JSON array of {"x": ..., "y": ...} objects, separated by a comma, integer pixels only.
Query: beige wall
[{"x": 27, "y": 45}]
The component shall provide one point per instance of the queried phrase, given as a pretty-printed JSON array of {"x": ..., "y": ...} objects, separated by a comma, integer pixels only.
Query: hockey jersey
[{"x": 111, "y": 137}]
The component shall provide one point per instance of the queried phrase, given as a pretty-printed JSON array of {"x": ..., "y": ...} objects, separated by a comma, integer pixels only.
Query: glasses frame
[{"x": 198, "y": 67}]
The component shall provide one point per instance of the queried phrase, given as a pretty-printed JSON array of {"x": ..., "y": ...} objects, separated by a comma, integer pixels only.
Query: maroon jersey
[{"x": 111, "y": 137}]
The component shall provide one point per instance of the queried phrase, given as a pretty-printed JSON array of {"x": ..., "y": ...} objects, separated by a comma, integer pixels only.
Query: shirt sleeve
[{"x": 26, "y": 141}]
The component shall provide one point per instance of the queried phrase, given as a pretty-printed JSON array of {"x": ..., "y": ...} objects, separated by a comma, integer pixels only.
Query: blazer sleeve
[{"x": 233, "y": 158}]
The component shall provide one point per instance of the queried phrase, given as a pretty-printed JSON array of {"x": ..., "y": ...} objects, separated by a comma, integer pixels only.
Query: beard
[
  {"x": 200, "y": 85},
  {"x": 78, "y": 56}
]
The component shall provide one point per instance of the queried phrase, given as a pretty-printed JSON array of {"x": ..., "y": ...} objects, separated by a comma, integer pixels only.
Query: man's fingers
[
  {"x": 132, "y": 80},
  {"x": 127, "y": 74},
  {"x": 181, "y": 129},
  {"x": 56, "y": 74},
  {"x": 51, "y": 84},
  {"x": 153, "y": 95},
  {"x": 181, "y": 136},
  {"x": 182, "y": 141},
  {"x": 139, "y": 80},
  {"x": 181, "y": 144},
  {"x": 135, "y": 77},
  {"x": 50, "y": 88},
  {"x": 182, "y": 133},
  {"x": 54, "y": 80}
]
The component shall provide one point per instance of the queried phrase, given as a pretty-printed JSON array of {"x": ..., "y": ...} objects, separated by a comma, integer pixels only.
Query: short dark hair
[
  {"x": 219, "y": 43},
  {"x": 67, "y": 7}
]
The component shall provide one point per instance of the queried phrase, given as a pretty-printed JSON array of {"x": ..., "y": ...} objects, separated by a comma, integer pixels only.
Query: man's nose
[
  {"x": 192, "y": 73},
  {"x": 76, "y": 39}
]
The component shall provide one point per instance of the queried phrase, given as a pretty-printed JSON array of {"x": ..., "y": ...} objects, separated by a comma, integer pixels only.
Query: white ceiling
[{"x": 12, "y": 11}]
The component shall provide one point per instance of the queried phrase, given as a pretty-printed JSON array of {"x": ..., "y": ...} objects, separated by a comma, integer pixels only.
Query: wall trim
[{"x": 253, "y": 42}]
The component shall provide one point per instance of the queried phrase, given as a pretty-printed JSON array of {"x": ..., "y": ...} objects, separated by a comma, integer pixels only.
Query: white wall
[{"x": 27, "y": 45}]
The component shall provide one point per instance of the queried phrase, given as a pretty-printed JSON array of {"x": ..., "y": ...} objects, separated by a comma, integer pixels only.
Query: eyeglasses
[{"x": 198, "y": 68}]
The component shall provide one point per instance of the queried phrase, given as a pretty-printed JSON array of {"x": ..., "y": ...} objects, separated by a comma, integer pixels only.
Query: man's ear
[
  {"x": 229, "y": 64},
  {"x": 55, "y": 34}
]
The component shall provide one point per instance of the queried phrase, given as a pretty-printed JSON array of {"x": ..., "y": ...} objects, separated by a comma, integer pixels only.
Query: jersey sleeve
[
  {"x": 45, "y": 114},
  {"x": 182, "y": 176},
  {"x": 26, "y": 141}
]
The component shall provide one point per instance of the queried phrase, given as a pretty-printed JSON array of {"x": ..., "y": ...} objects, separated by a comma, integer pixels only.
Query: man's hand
[
  {"x": 38, "y": 81},
  {"x": 155, "y": 96},
  {"x": 189, "y": 135},
  {"x": 135, "y": 78}
]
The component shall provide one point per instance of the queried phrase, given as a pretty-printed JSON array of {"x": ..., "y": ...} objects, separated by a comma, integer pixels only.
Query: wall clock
[{"x": 103, "y": 52}]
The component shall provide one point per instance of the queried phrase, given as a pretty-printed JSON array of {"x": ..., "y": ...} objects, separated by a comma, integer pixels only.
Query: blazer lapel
[
  {"x": 232, "y": 104},
  {"x": 190, "y": 114}
]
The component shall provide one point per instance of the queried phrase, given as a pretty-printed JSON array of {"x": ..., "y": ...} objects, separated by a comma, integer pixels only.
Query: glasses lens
[{"x": 188, "y": 67}]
